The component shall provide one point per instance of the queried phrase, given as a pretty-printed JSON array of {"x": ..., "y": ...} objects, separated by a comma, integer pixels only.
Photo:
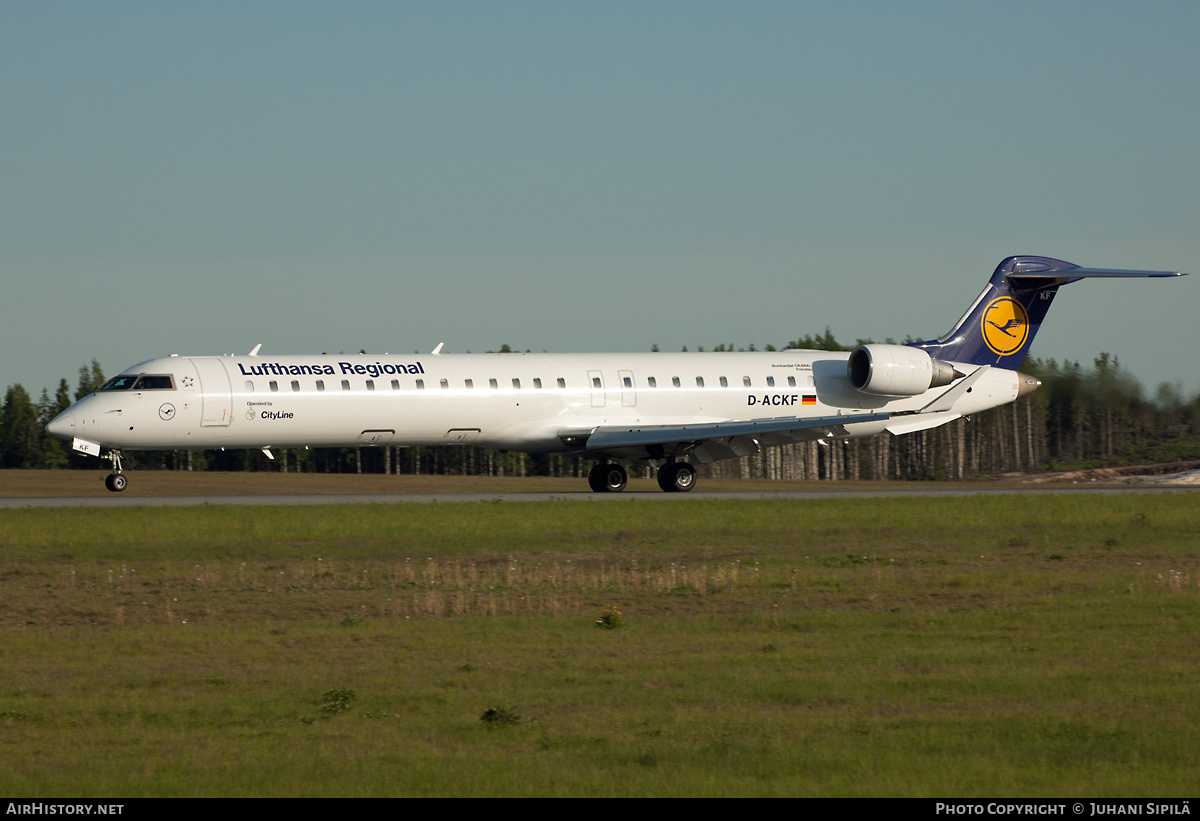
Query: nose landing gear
[{"x": 115, "y": 481}]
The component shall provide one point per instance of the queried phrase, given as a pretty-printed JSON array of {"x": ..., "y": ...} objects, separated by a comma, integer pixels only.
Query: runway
[{"x": 276, "y": 500}]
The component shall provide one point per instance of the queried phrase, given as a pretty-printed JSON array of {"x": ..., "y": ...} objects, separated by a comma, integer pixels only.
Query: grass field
[{"x": 981, "y": 646}]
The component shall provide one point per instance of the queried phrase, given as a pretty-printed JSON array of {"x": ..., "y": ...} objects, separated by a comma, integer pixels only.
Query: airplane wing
[{"x": 736, "y": 438}]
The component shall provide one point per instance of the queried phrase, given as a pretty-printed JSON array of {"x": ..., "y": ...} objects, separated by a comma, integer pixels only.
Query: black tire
[
  {"x": 613, "y": 478},
  {"x": 608, "y": 478},
  {"x": 115, "y": 482},
  {"x": 677, "y": 477}
]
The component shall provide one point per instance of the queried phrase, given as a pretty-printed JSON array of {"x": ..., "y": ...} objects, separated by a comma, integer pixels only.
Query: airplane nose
[{"x": 62, "y": 426}]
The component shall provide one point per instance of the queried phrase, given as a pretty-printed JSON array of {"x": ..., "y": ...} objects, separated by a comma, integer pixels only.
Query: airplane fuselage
[{"x": 509, "y": 401}]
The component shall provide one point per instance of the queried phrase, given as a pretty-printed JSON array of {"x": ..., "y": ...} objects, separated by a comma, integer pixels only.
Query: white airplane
[{"x": 672, "y": 410}]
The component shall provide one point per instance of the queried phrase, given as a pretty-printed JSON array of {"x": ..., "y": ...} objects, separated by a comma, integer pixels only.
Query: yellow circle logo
[{"x": 1005, "y": 325}]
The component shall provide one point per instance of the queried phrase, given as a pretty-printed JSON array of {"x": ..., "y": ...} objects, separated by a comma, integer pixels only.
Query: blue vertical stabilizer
[{"x": 1000, "y": 325}]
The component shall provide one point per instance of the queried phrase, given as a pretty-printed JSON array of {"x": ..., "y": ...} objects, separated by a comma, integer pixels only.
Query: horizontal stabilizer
[
  {"x": 920, "y": 421},
  {"x": 1048, "y": 279},
  {"x": 946, "y": 401}
]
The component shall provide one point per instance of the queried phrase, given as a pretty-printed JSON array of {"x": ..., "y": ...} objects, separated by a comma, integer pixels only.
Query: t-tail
[{"x": 1000, "y": 325}]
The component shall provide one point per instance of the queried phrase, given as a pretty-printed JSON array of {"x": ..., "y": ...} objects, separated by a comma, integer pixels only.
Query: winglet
[
  {"x": 438, "y": 350},
  {"x": 256, "y": 349}
]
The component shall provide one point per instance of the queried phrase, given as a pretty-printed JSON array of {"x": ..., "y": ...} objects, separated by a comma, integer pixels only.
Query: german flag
[{"x": 808, "y": 399}]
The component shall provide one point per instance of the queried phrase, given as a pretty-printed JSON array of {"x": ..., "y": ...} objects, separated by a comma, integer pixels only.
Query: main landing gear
[
  {"x": 673, "y": 477},
  {"x": 115, "y": 481},
  {"x": 607, "y": 477},
  {"x": 677, "y": 477}
]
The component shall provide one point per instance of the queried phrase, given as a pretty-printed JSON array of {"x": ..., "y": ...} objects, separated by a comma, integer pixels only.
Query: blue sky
[{"x": 570, "y": 176}]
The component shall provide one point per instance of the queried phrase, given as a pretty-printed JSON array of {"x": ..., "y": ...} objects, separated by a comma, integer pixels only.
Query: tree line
[{"x": 1081, "y": 416}]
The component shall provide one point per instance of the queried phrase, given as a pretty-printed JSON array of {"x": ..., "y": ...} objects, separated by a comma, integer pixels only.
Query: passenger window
[
  {"x": 628, "y": 381},
  {"x": 470, "y": 383},
  {"x": 537, "y": 383},
  {"x": 370, "y": 384},
  {"x": 492, "y": 383},
  {"x": 395, "y": 384},
  {"x": 562, "y": 383},
  {"x": 652, "y": 382},
  {"x": 724, "y": 382},
  {"x": 746, "y": 381},
  {"x": 420, "y": 384},
  {"x": 791, "y": 381},
  {"x": 249, "y": 386},
  {"x": 675, "y": 381},
  {"x": 517, "y": 384},
  {"x": 770, "y": 381},
  {"x": 699, "y": 381},
  {"x": 345, "y": 384},
  {"x": 274, "y": 385},
  {"x": 320, "y": 384},
  {"x": 295, "y": 385},
  {"x": 595, "y": 382},
  {"x": 445, "y": 383}
]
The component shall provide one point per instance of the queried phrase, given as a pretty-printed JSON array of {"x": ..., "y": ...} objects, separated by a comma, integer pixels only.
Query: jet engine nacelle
[{"x": 897, "y": 370}]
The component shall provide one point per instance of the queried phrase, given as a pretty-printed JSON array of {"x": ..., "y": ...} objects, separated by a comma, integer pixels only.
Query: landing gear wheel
[
  {"x": 607, "y": 478},
  {"x": 115, "y": 481},
  {"x": 676, "y": 477}
]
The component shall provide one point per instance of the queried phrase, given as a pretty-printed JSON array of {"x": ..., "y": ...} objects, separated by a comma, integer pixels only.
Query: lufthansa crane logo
[{"x": 1005, "y": 325}]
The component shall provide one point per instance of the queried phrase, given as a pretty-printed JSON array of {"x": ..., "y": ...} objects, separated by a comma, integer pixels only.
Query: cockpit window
[
  {"x": 139, "y": 383},
  {"x": 119, "y": 383}
]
